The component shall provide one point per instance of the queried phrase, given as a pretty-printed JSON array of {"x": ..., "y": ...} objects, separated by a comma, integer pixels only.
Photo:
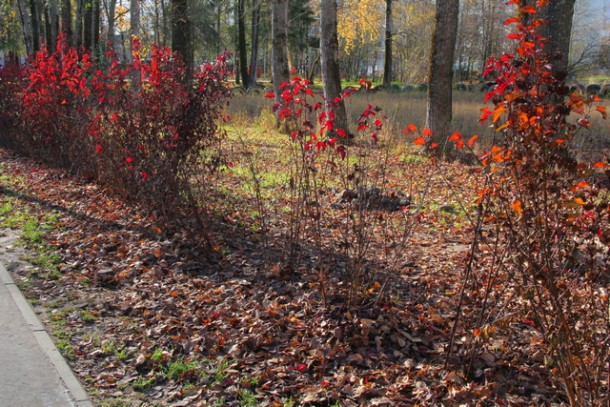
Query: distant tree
[
  {"x": 329, "y": 49},
  {"x": 439, "y": 106},
  {"x": 388, "y": 57},
  {"x": 242, "y": 46},
  {"x": 15, "y": 28},
  {"x": 110, "y": 9},
  {"x": 414, "y": 26},
  {"x": 256, "y": 16},
  {"x": 603, "y": 55},
  {"x": 360, "y": 28},
  {"x": 301, "y": 17}
]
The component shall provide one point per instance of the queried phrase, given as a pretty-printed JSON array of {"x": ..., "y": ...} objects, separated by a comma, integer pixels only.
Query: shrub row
[{"x": 140, "y": 128}]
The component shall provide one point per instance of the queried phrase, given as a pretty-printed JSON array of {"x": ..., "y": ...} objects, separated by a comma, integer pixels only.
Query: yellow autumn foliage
[{"x": 360, "y": 22}]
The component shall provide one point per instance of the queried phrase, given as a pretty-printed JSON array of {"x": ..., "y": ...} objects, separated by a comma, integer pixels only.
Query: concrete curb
[{"x": 76, "y": 391}]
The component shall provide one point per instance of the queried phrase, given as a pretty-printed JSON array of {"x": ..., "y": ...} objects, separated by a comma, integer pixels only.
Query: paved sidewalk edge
[{"x": 74, "y": 387}]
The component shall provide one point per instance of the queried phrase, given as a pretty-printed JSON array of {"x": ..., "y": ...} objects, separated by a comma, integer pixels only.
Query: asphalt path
[{"x": 33, "y": 372}]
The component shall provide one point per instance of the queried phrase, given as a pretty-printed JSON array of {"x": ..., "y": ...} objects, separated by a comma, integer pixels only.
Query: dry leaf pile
[{"x": 148, "y": 323}]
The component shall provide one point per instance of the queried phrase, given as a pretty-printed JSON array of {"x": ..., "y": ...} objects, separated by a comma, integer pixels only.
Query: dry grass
[{"x": 410, "y": 107}]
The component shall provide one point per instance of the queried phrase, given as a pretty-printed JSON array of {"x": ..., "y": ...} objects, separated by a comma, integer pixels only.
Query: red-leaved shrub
[{"x": 141, "y": 128}]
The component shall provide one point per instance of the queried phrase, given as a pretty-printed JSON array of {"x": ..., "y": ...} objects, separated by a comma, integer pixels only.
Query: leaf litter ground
[{"x": 142, "y": 321}]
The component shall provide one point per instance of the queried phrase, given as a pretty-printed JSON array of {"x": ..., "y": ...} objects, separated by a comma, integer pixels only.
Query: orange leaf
[
  {"x": 512, "y": 20},
  {"x": 409, "y": 129},
  {"x": 472, "y": 139},
  {"x": 602, "y": 110},
  {"x": 455, "y": 136},
  {"x": 427, "y": 132},
  {"x": 420, "y": 141},
  {"x": 515, "y": 36},
  {"x": 600, "y": 164},
  {"x": 433, "y": 146},
  {"x": 579, "y": 201},
  {"x": 523, "y": 117},
  {"x": 505, "y": 125},
  {"x": 541, "y": 3},
  {"x": 496, "y": 149},
  {"x": 517, "y": 207},
  {"x": 498, "y": 158},
  {"x": 581, "y": 185},
  {"x": 498, "y": 113}
]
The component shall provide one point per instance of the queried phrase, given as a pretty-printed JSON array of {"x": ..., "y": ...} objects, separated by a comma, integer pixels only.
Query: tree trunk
[
  {"x": 134, "y": 20},
  {"x": 166, "y": 33},
  {"x": 313, "y": 66},
  {"x": 91, "y": 24},
  {"x": 279, "y": 51},
  {"x": 439, "y": 107},
  {"x": 387, "y": 65},
  {"x": 557, "y": 31},
  {"x": 27, "y": 27},
  {"x": 241, "y": 43},
  {"x": 95, "y": 28},
  {"x": 48, "y": 36},
  {"x": 218, "y": 5},
  {"x": 53, "y": 23},
  {"x": 80, "y": 15},
  {"x": 88, "y": 25},
  {"x": 35, "y": 16},
  {"x": 329, "y": 50},
  {"x": 181, "y": 34},
  {"x": 66, "y": 21},
  {"x": 110, "y": 6},
  {"x": 157, "y": 28},
  {"x": 256, "y": 8}
]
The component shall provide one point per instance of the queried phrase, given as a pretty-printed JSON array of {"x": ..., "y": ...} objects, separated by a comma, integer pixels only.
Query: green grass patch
[
  {"x": 178, "y": 368},
  {"x": 247, "y": 398},
  {"x": 87, "y": 317},
  {"x": 66, "y": 348},
  {"x": 141, "y": 383}
]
